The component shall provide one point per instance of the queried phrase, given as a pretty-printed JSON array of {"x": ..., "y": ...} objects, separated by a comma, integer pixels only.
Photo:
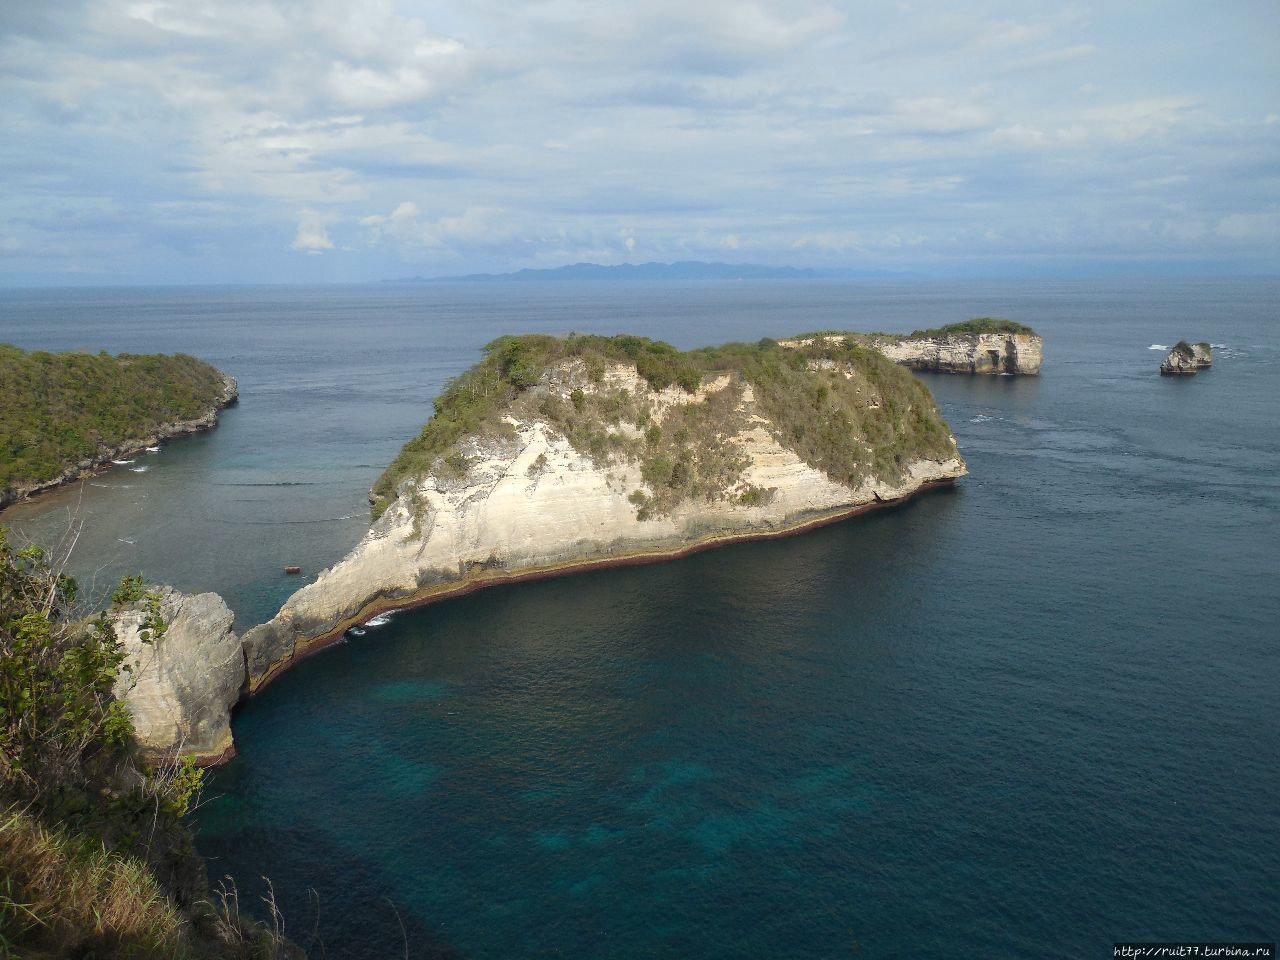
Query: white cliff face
[
  {"x": 1017, "y": 353},
  {"x": 181, "y": 687},
  {"x": 533, "y": 505},
  {"x": 988, "y": 353}
]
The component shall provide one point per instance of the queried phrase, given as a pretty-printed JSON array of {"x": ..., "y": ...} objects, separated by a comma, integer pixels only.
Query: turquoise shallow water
[{"x": 1025, "y": 718}]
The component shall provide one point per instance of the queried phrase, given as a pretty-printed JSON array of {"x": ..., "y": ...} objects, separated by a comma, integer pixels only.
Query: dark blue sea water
[{"x": 1025, "y": 718}]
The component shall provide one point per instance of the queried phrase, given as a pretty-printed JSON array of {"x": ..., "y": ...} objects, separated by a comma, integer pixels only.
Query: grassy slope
[
  {"x": 59, "y": 409},
  {"x": 829, "y": 419}
]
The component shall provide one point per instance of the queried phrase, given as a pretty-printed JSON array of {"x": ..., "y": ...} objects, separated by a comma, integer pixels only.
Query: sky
[{"x": 249, "y": 141}]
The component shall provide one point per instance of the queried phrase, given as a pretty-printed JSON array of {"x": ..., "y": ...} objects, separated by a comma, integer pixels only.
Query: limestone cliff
[
  {"x": 1014, "y": 353},
  {"x": 180, "y": 686},
  {"x": 985, "y": 346},
  {"x": 600, "y": 451}
]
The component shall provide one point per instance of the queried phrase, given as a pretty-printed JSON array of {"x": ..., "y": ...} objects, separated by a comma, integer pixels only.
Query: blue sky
[{"x": 145, "y": 141}]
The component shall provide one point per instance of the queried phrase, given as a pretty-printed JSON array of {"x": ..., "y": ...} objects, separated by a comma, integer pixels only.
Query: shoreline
[
  {"x": 488, "y": 577},
  {"x": 101, "y": 461}
]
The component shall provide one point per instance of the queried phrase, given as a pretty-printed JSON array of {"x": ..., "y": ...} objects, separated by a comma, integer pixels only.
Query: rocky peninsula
[
  {"x": 1187, "y": 359},
  {"x": 985, "y": 345},
  {"x": 557, "y": 454},
  {"x": 65, "y": 416}
]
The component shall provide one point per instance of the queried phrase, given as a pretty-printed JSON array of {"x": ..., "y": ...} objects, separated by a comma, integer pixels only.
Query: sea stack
[
  {"x": 1187, "y": 359},
  {"x": 180, "y": 686},
  {"x": 558, "y": 454}
]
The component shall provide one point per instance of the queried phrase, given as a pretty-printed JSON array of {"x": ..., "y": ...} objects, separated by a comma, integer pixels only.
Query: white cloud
[
  {"x": 497, "y": 135},
  {"x": 313, "y": 235}
]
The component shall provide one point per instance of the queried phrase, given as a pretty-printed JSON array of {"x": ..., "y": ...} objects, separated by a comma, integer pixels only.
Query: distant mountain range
[{"x": 684, "y": 270}]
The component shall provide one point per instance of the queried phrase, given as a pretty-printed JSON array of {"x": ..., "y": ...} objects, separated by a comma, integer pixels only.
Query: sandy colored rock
[
  {"x": 989, "y": 353},
  {"x": 180, "y": 688},
  {"x": 532, "y": 504}
]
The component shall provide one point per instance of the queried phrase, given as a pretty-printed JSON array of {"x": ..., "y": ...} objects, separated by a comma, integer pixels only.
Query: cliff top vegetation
[
  {"x": 963, "y": 328},
  {"x": 842, "y": 408},
  {"x": 57, "y": 409}
]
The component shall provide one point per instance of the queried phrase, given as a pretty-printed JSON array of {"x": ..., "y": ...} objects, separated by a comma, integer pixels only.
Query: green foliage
[
  {"x": 1182, "y": 348},
  {"x": 59, "y": 409},
  {"x": 130, "y": 590},
  {"x": 964, "y": 327},
  {"x": 976, "y": 325},
  {"x": 56, "y": 676}
]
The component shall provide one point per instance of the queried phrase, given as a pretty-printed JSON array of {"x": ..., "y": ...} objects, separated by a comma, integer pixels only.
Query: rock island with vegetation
[
  {"x": 554, "y": 454},
  {"x": 983, "y": 345},
  {"x": 1187, "y": 359},
  {"x": 63, "y": 415}
]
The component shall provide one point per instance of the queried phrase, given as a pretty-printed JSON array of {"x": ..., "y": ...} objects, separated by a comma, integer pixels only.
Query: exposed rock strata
[
  {"x": 123, "y": 451},
  {"x": 532, "y": 505},
  {"x": 180, "y": 688},
  {"x": 990, "y": 353},
  {"x": 984, "y": 353}
]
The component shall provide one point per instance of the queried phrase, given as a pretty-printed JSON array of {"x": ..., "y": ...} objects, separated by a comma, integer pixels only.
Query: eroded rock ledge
[{"x": 982, "y": 346}]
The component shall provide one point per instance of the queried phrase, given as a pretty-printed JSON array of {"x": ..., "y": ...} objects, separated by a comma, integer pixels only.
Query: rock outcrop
[
  {"x": 985, "y": 346},
  {"x": 535, "y": 499},
  {"x": 181, "y": 686},
  {"x": 1187, "y": 359},
  {"x": 990, "y": 353}
]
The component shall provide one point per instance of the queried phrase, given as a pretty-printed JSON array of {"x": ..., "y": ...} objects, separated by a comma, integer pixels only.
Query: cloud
[
  {"x": 312, "y": 236},
  {"x": 152, "y": 138}
]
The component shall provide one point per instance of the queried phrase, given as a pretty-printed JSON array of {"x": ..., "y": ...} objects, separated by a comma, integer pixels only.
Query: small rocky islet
[{"x": 1187, "y": 359}]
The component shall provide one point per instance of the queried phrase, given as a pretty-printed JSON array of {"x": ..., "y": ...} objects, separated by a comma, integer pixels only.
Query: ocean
[{"x": 1027, "y": 717}]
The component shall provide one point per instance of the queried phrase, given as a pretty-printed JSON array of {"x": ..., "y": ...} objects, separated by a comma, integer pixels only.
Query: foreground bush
[{"x": 95, "y": 860}]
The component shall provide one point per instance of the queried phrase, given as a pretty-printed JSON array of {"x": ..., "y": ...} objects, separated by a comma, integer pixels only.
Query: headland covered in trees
[{"x": 63, "y": 415}]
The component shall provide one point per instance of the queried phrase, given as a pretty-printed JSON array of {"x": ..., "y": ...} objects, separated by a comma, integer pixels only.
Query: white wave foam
[
  {"x": 138, "y": 469},
  {"x": 1157, "y": 346}
]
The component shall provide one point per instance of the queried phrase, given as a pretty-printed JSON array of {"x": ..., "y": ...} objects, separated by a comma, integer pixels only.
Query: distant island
[
  {"x": 683, "y": 270},
  {"x": 63, "y": 415}
]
